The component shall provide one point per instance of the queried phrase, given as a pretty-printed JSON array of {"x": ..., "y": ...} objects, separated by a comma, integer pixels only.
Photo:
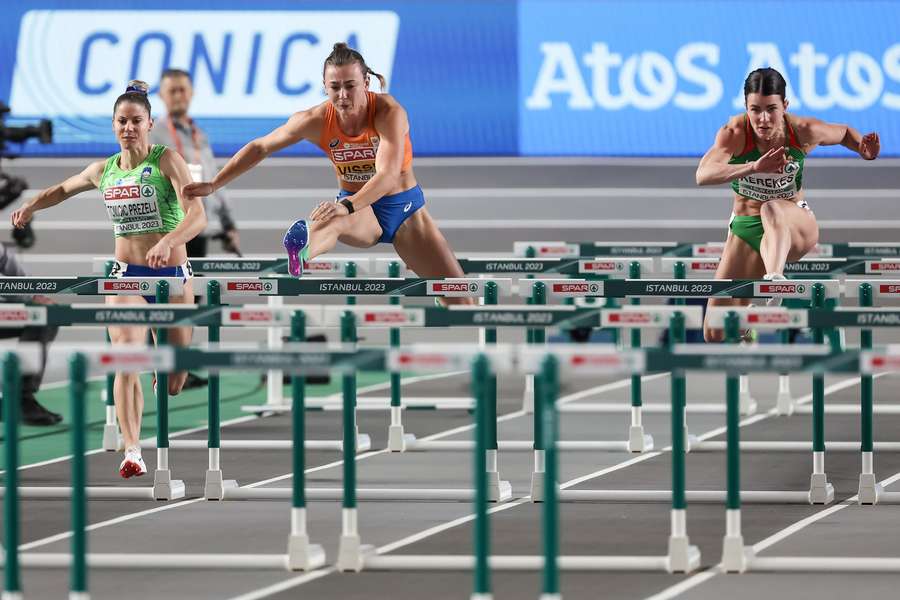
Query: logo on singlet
[
  {"x": 334, "y": 143},
  {"x": 146, "y": 173},
  {"x": 407, "y": 207}
]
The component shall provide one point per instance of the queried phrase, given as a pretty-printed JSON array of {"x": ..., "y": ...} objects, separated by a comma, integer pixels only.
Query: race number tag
[{"x": 132, "y": 208}]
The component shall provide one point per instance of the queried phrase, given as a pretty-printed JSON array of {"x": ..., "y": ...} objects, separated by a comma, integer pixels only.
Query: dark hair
[
  {"x": 342, "y": 54},
  {"x": 766, "y": 81},
  {"x": 176, "y": 73},
  {"x": 136, "y": 92}
]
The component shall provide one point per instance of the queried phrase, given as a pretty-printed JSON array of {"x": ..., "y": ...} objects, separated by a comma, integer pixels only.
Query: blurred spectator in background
[
  {"x": 31, "y": 412},
  {"x": 178, "y": 131}
]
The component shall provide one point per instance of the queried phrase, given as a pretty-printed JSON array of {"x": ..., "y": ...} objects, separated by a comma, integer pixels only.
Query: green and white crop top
[{"x": 769, "y": 186}]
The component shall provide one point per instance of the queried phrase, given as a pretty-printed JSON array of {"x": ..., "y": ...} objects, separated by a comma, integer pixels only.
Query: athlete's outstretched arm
[
  {"x": 714, "y": 168},
  {"x": 867, "y": 146},
  {"x": 173, "y": 166},
  {"x": 86, "y": 180},
  {"x": 299, "y": 127}
]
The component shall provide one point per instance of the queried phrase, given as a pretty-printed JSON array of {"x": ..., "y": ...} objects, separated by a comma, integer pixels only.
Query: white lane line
[{"x": 285, "y": 585}]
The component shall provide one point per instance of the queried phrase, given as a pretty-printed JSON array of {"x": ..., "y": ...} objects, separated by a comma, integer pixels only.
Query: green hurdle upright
[
  {"x": 481, "y": 386},
  {"x": 538, "y": 476},
  {"x": 397, "y": 438},
  {"x": 78, "y": 367},
  {"x": 498, "y": 490},
  {"x": 164, "y": 487},
  {"x": 735, "y": 556},
  {"x": 214, "y": 486},
  {"x": 869, "y": 490},
  {"x": 12, "y": 586},
  {"x": 111, "y": 438},
  {"x": 302, "y": 556},
  {"x": 638, "y": 441},
  {"x": 820, "y": 491},
  {"x": 549, "y": 392}
]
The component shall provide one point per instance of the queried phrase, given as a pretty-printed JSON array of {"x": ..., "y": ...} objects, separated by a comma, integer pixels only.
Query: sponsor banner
[
  {"x": 821, "y": 251},
  {"x": 584, "y": 361},
  {"x": 794, "y": 289},
  {"x": 377, "y": 316},
  {"x": 650, "y": 316},
  {"x": 430, "y": 358},
  {"x": 692, "y": 266},
  {"x": 337, "y": 266},
  {"x": 247, "y": 287},
  {"x": 868, "y": 249},
  {"x": 885, "y": 288},
  {"x": 258, "y": 317},
  {"x": 137, "y": 286},
  {"x": 871, "y": 362},
  {"x": 882, "y": 266},
  {"x": 711, "y": 249},
  {"x": 758, "y": 317},
  {"x": 665, "y": 86},
  {"x": 455, "y": 288},
  {"x": 547, "y": 249},
  {"x": 19, "y": 315},
  {"x": 131, "y": 360},
  {"x": 570, "y": 288},
  {"x": 254, "y": 68}
]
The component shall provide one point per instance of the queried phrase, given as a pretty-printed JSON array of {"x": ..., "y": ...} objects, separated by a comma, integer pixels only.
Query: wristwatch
[{"x": 347, "y": 204}]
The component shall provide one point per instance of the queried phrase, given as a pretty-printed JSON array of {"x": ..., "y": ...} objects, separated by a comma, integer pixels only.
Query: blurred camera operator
[{"x": 32, "y": 413}]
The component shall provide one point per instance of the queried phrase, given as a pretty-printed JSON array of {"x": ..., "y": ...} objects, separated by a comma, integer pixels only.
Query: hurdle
[
  {"x": 164, "y": 487},
  {"x": 298, "y": 359}
]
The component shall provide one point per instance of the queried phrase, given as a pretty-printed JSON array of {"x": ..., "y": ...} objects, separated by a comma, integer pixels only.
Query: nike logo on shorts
[{"x": 407, "y": 207}]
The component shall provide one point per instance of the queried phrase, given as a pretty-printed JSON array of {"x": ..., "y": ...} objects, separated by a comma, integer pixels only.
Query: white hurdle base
[
  {"x": 830, "y": 564},
  {"x": 445, "y": 562},
  {"x": 51, "y": 560},
  {"x": 787, "y": 446},
  {"x": 500, "y": 493},
  {"x": 363, "y": 444},
  {"x": 849, "y": 409},
  {"x": 717, "y": 496},
  {"x": 370, "y": 403},
  {"x": 174, "y": 491},
  {"x": 516, "y": 445}
]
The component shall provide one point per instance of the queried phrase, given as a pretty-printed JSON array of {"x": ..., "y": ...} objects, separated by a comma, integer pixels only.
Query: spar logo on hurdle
[
  {"x": 16, "y": 316},
  {"x": 453, "y": 288},
  {"x": 795, "y": 290},
  {"x": 774, "y": 318},
  {"x": 124, "y": 285},
  {"x": 577, "y": 288},
  {"x": 882, "y": 266},
  {"x": 600, "y": 266},
  {"x": 250, "y": 286},
  {"x": 253, "y": 316},
  {"x": 633, "y": 318},
  {"x": 396, "y": 317}
]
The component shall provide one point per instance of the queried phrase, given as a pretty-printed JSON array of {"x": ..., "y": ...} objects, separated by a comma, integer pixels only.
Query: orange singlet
[{"x": 354, "y": 156}]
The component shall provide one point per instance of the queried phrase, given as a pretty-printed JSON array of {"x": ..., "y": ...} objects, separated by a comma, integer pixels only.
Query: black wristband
[{"x": 347, "y": 204}]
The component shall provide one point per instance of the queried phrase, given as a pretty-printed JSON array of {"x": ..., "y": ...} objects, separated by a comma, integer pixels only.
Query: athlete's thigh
[
  {"x": 738, "y": 261},
  {"x": 424, "y": 249},
  {"x": 803, "y": 227},
  {"x": 132, "y": 334},
  {"x": 181, "y": 336},
  {"x": 361, "y": 229}
]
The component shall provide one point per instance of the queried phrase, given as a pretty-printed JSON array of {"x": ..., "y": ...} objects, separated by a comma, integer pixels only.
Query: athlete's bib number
[{"x": 133, "y": 208}]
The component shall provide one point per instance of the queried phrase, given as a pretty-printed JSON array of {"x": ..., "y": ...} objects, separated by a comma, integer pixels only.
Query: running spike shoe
[
  {"x": 296, "y": 243},
  {"x": 133, "y": 464}
]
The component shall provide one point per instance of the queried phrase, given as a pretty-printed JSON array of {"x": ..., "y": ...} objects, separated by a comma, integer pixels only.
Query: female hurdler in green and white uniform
[
  {"x": 761, "y": 153},
  {"x": 140, "y": 187}
]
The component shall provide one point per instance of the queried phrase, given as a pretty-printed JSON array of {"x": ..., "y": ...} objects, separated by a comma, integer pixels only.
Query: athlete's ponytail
[
  {"x": 135, "y": 92},
  {"x": 766, "y": 82},
  {"x": 342, "y": 54}
]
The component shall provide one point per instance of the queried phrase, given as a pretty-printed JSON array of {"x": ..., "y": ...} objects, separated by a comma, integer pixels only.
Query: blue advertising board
[
  {"x": 253, "y": 68},
  {"x": 659, "y": 78},
  {"x": 503, "y": 77}
]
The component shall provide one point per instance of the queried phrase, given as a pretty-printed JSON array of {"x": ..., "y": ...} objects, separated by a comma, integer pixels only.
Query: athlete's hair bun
[
  {"x": 340, "y": 46},
  {"x": 136, "y": 86}
]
